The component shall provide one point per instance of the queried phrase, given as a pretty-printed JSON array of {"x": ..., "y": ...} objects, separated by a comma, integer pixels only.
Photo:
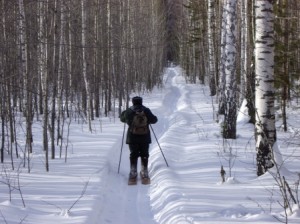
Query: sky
[{"x": 87, "y": 184}]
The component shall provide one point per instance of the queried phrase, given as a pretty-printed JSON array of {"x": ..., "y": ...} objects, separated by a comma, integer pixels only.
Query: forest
[{"x": 83, "y": 58}]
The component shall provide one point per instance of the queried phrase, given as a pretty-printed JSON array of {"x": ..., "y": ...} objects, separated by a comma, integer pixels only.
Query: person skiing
[{"x": 138, "y": 117}]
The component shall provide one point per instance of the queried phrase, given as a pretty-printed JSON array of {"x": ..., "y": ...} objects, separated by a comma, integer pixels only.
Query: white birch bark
[
  {"x": 43, "y": 74},
  {"x": 61, "y": 54},
  {"x": 61, "y": 50},
  {"x": 2, "y": 63},
  {"x": 69, "y": 54},
  {"x": 23, "y": 47},
  {"x": 244, "y": 48},
  {"x": 222, "y": 79},
  {"x": 84, "y": 61},
  {"x": 264, "y": 80},
  {"x": 211, "y": 49},
  {"x": 230, "y": 71},
  {"x": 109, "y": 59}
]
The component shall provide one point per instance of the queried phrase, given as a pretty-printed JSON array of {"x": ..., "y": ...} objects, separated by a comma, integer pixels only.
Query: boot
[
  {"x": 144, "y": 169},
  {"x": 133, "y": 168}
]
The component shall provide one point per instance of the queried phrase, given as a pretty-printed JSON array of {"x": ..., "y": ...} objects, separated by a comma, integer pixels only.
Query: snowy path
[
  {"x": 175, "y": 190},
  {"x": 131, "y": 204},
  {"x": 145, "y": 204},
  {"x": 189, "y": 191}
]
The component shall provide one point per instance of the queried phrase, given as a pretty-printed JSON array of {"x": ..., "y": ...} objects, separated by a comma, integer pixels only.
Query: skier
[{"x": 138, "y": 117}]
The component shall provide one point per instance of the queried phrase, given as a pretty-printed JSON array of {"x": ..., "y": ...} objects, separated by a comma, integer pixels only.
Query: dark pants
[{"x": 139, "y": 150}]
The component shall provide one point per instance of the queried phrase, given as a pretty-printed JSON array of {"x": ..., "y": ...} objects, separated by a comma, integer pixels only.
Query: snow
[{"x": 88, "y": 189}]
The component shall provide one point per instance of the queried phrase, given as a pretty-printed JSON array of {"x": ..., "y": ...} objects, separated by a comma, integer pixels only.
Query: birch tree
[
  {"x": 264, "y": 81},
  {"x": 84, "y": 61},
  {"x": 42, "y": 69},
  {"x": 222, "y": 80},
  {"x": 244, "y": 48},
  {"x": 211, "y": 48},
  {"x": 3, "y": 110},
  {"x": 229, "y": 129},
  {"x": 60, "y": 78}
]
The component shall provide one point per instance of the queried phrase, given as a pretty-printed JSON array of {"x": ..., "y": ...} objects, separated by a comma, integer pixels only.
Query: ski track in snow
[
  {"x": 134, "y": 201},
  {"x": 191, "y": 184},
  {"x": 175, "y": 198},
  {"x": 142, "y": 202}
]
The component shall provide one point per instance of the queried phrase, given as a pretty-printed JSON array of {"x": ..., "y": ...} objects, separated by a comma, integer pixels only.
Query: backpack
[{"x": 139, "y": 125}]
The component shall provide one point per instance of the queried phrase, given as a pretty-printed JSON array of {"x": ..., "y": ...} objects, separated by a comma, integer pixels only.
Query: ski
[
  {"x": 132, "y": 181},
  {"x": 145, "y": 179}
]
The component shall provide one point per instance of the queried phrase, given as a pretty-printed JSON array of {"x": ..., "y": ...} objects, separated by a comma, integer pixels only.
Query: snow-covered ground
[{"x": 88, "y": 189}]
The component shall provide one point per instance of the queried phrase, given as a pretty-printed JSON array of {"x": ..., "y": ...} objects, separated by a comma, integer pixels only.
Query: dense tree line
[{"x": 64, "y": 58}]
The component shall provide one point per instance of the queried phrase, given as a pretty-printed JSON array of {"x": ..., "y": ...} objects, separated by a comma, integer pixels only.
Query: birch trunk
[
  {"x": 69, "y": 66},
  {"x": 84, "y": 62},
  {"x": 42, "y": 69},
  {"x": 2, "y": 88},
  {"x": 23, "y": 46},
  {"x": 229, "y": 130},
  {"x": 55, "y": 66},
  {"x": 211, "y": 49},
  {"x": 264, "y": 79},
  {"x": 61, "y": 58},
  {"x": 222, "y": 79},
  {"x": 244, "y": 50}
]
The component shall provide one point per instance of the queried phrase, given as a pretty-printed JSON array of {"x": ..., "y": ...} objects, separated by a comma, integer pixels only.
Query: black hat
[{"x": 137, "y": 100}]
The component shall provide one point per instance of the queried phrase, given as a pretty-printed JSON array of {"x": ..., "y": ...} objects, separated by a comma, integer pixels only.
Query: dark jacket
[{"x": 127, "y": 117}]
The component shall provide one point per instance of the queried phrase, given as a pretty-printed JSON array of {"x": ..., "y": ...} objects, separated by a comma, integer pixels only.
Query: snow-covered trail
[
  {"x": 123, "y": 203},
  {"x": 175, "y": 191},
  {"x": 89, "y": 190},
  {"x": 189, "y": 190},
  {"x": 131, "y": 204}
]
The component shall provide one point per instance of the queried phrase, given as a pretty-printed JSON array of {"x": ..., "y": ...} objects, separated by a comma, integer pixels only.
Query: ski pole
[
  {"x": 159, "y": 146},
  {"x": 121, "y": 147}
]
